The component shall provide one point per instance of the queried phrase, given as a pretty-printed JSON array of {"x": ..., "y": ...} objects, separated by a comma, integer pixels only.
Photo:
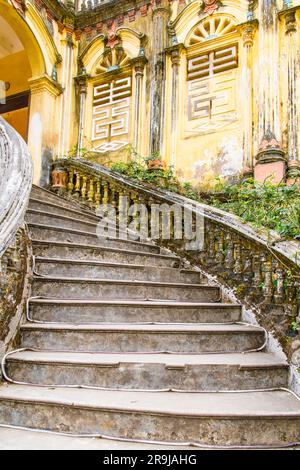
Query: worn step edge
[
  {"x": 41, "y": 259},
  {"x": 167, "y": 328},
  {"x": 139, "y": 402},
  {"x": 90, "y": 234},
  {"x": 169, "y": 361},
  {"x": 102, "y": 248},
  {"x": 57, "y": 206},
  {"x": 72, "y": 203},
  {"x": 139, "y": 303},
  {"x": 124, "y": 282}
]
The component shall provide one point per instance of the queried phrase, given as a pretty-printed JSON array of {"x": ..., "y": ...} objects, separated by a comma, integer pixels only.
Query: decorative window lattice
[
  {"x": 111, "y": 107},
  {"x": 210, "y": 63},
  {"x": 210, "y": 98},
  {"x": 212, "y": 27}
]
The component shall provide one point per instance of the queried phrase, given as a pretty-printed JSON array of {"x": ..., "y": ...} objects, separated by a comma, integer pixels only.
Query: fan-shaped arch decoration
[
  {"x": 112, "y": 59},
  {"x": 212, "y": 27}
]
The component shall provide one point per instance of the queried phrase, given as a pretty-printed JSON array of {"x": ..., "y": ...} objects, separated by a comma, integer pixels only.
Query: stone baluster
[
  {"x": 220, "y": 246},
  {"x": 98, "y": 193},
  {"x": 229, "y": 253},
  {"x": 105, "y": 198},
  {"x": 144, "y": 218},
  {"x": 247, "y": 258},
  {"x": 292, "y": 297},
  {"x": 70, "y": 184},
  {"x": 91, "y": 194},
  {"x": 84, "y": 187},
  {"x": 238, "y": 264},
  {"x": 279, "y": 284},
  {"x": 77, "y": 182},
  {"x": 267, "y": 286},
  {"x": 212, "y": 245}
]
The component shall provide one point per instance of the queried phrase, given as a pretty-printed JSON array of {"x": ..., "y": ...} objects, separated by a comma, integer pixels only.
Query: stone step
[
  {"x": 116, "y": 338},
  {"x": 56, "y": 208},
  {"x": 48, "y": 196},
  {"x": 101, "y": 270},
  {"x": 253, "y": 418},
  {"x": 22, "y": 439},
  {"x": 66, "y": 249},
  {"x": 101, "y": 311},
  {"x": 79, "y": 288},
  {"x": 61, "y": 234},
  {"x": 212, "y": 372}
]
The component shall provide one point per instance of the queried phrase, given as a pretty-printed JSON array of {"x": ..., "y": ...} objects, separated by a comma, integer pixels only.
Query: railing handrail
[
  {"x": 15, "y": 183},
  {"x": 270, "y": 240}
]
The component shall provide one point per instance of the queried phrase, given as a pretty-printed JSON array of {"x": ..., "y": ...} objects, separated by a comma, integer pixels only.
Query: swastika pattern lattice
[
  {"x": 111, "y": 110},
  {"x": 210, "y": 63},
  {"x": 212, "y": 102}
]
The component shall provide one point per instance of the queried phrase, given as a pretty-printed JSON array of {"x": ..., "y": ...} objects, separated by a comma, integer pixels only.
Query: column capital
[
  {"x": 139, "y": 63},
  {"x": 247, "y": 31},
  {"x": 45, "y": 83},
  {"x": 160, "y": 9},
  {"x": 290, "y": 22},
  {"x": 175, "y": 52},
  {"x": 81, "y": 81}
]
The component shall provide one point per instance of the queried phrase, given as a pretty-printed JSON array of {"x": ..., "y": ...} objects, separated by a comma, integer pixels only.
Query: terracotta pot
[
  {"x": 156, "y": 164},
  {"x": 59, "y": 178}
]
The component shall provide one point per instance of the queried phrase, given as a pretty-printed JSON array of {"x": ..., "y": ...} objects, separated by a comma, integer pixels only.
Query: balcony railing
[{"x": 87, "y": 5}]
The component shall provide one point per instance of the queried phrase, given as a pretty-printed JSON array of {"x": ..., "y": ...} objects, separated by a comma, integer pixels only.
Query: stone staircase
[{"x": 122, "y": 341}]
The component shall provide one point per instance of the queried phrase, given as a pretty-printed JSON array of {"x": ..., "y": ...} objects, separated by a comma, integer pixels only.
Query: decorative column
[
  {"x": 292, "y": 111},
  {"x": 271, "y": 161},
  {"x": 175, "y": 53},
  {"x": 43, "y": 127},
  {"x": 81, "y": 82},
  {"x": 139, "y": 66},
  {"x": 160, "y": 17},
  {"x": 248, "y": 30},
  {"x": 67, "y": 84}
]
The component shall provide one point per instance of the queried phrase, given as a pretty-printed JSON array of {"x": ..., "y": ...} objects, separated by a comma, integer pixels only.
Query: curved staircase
[{"x": 122, "y": 341}]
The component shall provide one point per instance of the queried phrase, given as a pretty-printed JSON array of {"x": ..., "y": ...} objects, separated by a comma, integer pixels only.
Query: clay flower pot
[{"x": 156, "y": 164}]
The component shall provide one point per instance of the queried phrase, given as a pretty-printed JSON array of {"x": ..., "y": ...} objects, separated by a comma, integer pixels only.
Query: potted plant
[{"x": 155, "y": 162}]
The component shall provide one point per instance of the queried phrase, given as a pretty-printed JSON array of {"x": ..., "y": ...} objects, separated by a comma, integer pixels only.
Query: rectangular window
[
  {"x": 111, "y": 110},
  {"x": 210, "y": 63}
]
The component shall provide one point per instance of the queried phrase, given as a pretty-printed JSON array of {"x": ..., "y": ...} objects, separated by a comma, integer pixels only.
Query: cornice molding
[
  {"x": 45, "y": 83},
  {"x": 107, "y": 11}
]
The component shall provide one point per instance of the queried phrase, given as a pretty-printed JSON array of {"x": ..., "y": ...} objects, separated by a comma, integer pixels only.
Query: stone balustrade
[
  {"x": 261, "y": 270},
  {"x": 15, "y": 186},
  {"x": 87, "y": 5}
]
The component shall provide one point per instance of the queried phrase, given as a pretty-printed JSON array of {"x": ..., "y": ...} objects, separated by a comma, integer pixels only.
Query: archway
[
  {"x": 15, "y": 71},
  {"x": 20, "y": 60}
]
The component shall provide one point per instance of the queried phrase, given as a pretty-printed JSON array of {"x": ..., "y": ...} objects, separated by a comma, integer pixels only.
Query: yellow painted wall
[
  {"x": 15, "y": 69},
  {"x": 19, "y": 120}
]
